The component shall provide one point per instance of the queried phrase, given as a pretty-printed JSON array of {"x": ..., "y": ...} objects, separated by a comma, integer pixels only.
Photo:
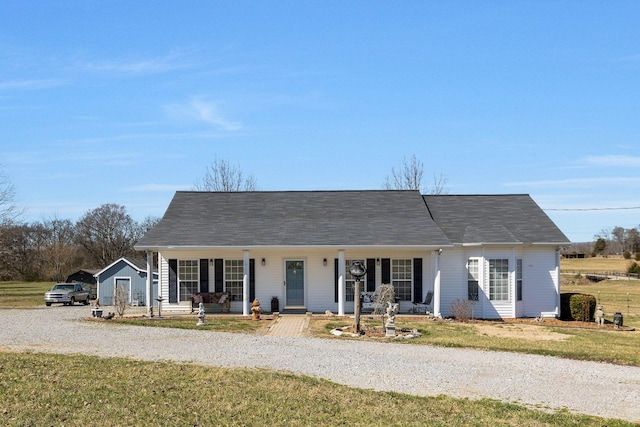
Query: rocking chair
[{"x": 422, "y": 307}]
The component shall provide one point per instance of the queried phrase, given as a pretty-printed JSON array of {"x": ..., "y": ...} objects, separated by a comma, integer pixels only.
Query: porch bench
[{"x": 214, "y": 302}]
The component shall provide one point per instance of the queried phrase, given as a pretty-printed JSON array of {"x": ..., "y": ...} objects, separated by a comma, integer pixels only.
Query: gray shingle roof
[
  {"x": 507, "y": 218},
  {"x": 295, "y": 218}
]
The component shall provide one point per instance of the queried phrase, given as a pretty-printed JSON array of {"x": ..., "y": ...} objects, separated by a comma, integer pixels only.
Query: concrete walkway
[{"x": 290, "y": 325}]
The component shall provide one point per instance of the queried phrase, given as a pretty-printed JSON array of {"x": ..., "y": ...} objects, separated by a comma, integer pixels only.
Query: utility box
[{"x": 617, "y": 320}]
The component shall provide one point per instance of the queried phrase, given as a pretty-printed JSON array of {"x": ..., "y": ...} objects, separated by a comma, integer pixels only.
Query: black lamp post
[{"x": 357, "y": 270}]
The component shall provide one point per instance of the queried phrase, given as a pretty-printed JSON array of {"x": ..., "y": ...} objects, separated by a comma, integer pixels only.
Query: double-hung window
[
  {"x": 473, "y": 279},
  {"x": 187, "y": 278},
  {"x": 499, "y": 279},
  {"x": 350, "y": 281},
  {"x": 233, "y": 278},
  {"x": 402, "y": 278}
]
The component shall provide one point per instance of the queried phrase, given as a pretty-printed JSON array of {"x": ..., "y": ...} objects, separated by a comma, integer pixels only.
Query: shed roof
[
  {"x": 493, "y": 219},
  {"x": 295, "y": 218}
]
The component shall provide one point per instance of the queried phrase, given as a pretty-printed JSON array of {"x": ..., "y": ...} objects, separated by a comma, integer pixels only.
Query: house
[
  {"x": 87, "y": 279},
  {"x": 130, "y": 273},
  {"x": 501, "y": 252}
]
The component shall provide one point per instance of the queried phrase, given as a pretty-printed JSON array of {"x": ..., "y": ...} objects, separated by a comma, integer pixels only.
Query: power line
[{"x": 592, "y": 209}]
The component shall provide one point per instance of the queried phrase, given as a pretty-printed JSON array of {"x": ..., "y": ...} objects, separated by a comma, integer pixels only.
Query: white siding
[{"x": 539, "y": 282}]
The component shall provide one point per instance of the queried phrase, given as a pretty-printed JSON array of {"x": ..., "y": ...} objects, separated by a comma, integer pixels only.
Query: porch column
[
  {"x": 557, "y": 280},
  {"x": 341, "y": 283},
  {"x": 149, "y": 283},
  {"x": 245, "y": 284},
  {"x": 436, "y": 286}
]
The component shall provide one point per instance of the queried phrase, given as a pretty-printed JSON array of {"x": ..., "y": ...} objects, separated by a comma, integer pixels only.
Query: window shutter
[
  {"x": 204, "y": 275},
  {"x": 252, "y": 280},
  {"x": 417, "y": 280},
  {"x": 173, "y": 281},
  {"x": 371, "y": 275},
  {"x": 335, "y": 275},
  {"x": 218, "y": 272},
  {"x": 386, "y": 271}
]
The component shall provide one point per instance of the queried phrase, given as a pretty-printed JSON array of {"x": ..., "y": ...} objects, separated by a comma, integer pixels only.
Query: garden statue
[
  {"x": 599, "y": 316},
  {"x": 390, "y": 326},
  {"x": 255, "y": 310},
  {"x": 200, "y": 315}
]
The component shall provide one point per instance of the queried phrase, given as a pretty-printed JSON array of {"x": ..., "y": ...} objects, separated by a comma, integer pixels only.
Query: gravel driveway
[{"x": 582, "y": 387}]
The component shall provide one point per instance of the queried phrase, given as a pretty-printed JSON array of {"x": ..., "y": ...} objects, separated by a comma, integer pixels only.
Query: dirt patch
[{"x": 519, "y": 331}]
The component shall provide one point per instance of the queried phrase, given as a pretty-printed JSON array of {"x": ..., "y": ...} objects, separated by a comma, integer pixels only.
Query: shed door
[
  {"x": 294, "y": 283},
  {"x": 125, "y": 284}
]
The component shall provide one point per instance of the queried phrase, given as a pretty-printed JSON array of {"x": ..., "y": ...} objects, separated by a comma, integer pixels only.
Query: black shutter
[
  {"x": 386, "y": 271},
  {"x": 252, "y": 280},
  {"x": 173, "y": 281},
  {"x": 335, "y": 275},
  {"x": 371, "y": 275},
  {"x": 218, "y": 273},
  {"x": 417, "y": 280},
  {"x": 204, "y": 275}
]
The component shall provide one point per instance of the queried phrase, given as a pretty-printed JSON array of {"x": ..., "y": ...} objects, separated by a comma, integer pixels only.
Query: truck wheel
[
  {"x": 48, "y": 304},
  {"x": 86, "y": 302},
  {"x": 72, "y": 301}
]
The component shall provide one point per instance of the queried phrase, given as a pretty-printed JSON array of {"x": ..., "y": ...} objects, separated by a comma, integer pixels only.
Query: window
[
  {"x": 473, "y": 278},
  {"x": 499, "y": 279},
  {"x": 233, "y": 278},
  {"x": 187, "y": 278},
  {"x": 350, "y": 281},
  {"x": 519, "y": 279},
  {"x": 401, "y": 278}
]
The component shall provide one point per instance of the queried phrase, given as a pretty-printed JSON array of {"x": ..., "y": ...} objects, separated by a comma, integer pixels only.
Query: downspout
[
  {"x": 436, "y": 286},
  {"x": 245, "y": 284}
]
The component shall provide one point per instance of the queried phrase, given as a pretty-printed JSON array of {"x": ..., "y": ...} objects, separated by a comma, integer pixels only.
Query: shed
[{"x": 130, "y": 273}]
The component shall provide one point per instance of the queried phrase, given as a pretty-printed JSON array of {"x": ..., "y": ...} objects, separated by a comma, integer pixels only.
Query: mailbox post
[{"x": 357, "y": 270}]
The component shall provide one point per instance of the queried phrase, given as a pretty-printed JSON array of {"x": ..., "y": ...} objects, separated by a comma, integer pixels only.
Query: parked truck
[{"x": 67, "y": 294}]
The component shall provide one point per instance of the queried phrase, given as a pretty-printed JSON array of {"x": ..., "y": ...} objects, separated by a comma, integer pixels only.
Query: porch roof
[{"x": 295, "y": 218}]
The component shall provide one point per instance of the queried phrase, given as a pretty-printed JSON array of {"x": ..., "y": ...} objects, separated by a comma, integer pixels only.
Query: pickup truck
[{"x": 67, "y": 294}]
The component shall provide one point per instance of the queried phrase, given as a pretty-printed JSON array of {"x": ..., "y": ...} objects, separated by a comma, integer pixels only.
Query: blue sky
[{"x": 128, "y": 101}]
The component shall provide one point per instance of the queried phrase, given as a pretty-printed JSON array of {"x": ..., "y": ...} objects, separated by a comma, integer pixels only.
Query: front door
[{"x": 294, "y": 283}]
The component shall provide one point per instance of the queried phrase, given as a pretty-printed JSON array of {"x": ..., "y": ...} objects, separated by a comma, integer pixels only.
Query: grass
[
  {"x": 610, "y": 346},
  {"x": 595, "y": 264},
  {"x": 45, "y": 389},
  {"x": 220, "y": 324},
  {"x": 21, "y": 294}
]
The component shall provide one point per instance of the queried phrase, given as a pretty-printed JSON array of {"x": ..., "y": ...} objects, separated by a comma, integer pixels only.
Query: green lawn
[
  {"x": 44, "y": 390},
  {"x": 23, "y": 294}
]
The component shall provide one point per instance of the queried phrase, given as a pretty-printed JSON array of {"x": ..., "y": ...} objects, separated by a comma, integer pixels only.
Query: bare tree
[
  {"x": 59, "y": 253},
  {"x": 410, "y": 176},
  {"x": 107, "y": 233},
  {"x": 9, "y": 211},
  {"x": 223, "y": 176}
]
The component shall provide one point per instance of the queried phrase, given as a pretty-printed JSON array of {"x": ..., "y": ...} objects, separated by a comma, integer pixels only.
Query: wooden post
[{"x": 356, "y": 306}]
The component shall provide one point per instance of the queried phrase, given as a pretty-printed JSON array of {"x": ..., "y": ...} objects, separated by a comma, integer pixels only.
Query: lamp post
[{"x": 357, "y": 270}]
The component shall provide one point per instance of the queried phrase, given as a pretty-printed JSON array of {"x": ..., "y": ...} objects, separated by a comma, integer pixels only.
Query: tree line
[{"x": 52, "y": 249}]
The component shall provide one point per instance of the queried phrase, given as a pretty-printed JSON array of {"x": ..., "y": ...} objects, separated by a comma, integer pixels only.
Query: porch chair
[{"x": 422, "y": 307}]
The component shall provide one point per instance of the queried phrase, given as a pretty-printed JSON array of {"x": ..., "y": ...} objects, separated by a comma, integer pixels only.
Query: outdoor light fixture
[
  {"x": 324, "y": 262},
  {"x": 377, "y": 261},
  {"x": 210, "y": 262},
  {"x": 264, "y": 261}
]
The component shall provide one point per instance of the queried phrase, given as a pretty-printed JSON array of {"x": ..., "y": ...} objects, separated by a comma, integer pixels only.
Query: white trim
[{"x": 125, "y": 260}]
